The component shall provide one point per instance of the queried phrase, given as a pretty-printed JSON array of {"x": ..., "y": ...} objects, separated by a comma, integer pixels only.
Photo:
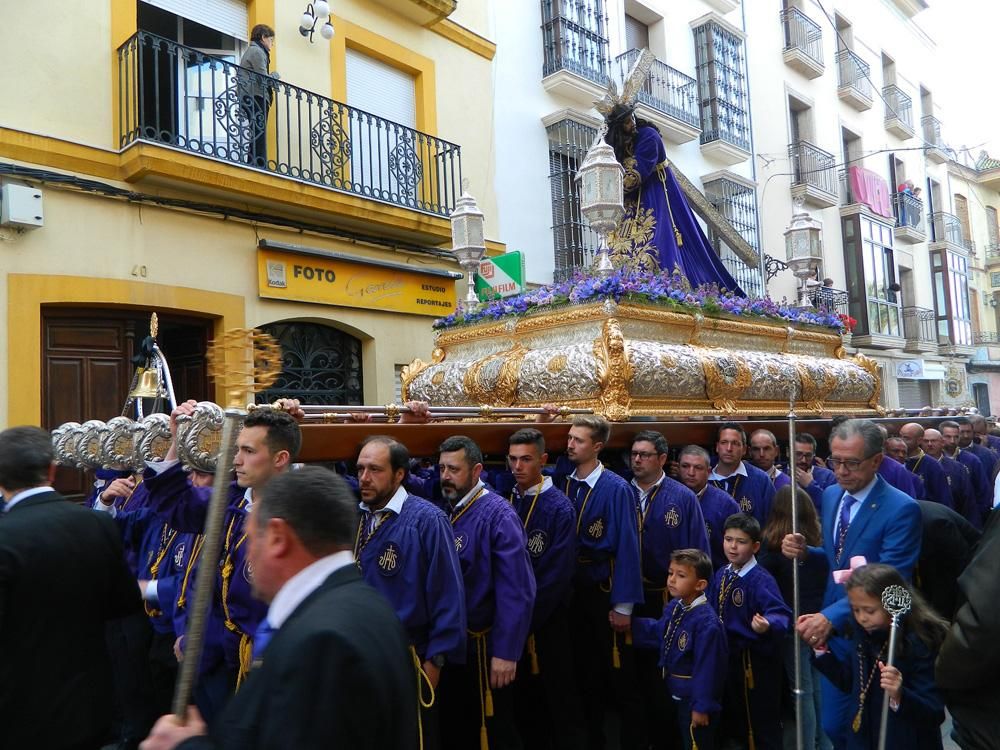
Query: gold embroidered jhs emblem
[
  {"x": 746, "y": 504},
  {"x": 672, "y": 518},
  {"x": 388, "y": 561},
  {"x": 459, "y": 542},
  {"x": 738, "y": 597},
  {"x": 248, "y": 572},
  {"x": 596, "y": 529},
  {"x": 536, "y": 543},
  {"x": 179, "y": 555},
  {"x": 682, "y": 641}
]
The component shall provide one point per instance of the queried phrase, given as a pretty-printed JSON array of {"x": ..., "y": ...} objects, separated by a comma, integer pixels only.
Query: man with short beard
[
  {"x": 959, "y": 479},
  {"x": 476, "y": 702},
  {"x": 810, "y": 477},
  {"x": 932, "y": 482},
  {"x": 982, "y": 488},
  {"x": 967, "y": 442}
]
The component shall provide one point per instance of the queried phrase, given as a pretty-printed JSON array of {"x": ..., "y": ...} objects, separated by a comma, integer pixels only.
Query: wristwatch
[{"x": 437, "y": 660}]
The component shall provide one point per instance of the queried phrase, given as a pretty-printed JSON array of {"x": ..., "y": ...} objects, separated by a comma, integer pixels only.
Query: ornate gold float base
[{"x": 631, "y": 360}]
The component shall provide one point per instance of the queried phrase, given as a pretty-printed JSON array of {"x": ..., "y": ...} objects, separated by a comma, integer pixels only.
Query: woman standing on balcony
[{"x": 256, "y": 91}]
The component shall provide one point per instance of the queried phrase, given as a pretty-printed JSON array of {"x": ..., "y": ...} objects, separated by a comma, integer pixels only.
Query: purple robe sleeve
[
  {"x": 177, "y": 501},
  {"x": 626, "y": 580},
  {"x": 514, "y": 587},
  {"x": 709, "y": 673},
  {"x": 555, "y": 567},
  {"x": 444, "y": 592}
]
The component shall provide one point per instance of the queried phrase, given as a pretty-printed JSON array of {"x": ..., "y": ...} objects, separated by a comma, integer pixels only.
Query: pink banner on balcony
[{"x": 870, "y": 189}]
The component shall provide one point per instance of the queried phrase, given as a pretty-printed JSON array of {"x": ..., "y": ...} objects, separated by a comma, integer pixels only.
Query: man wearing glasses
[
  {"x": 862, "y": 516},
  {"x": 810, "y": 477}
]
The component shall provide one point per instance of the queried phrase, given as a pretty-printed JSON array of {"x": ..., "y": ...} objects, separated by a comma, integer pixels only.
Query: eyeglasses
[
  {"x": 643, "y": 456},
  {"x": 804, "y": 456},
  {"x": 851, "y": 464}
]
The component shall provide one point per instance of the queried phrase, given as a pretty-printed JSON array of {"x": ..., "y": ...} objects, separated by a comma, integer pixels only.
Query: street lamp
[
  {"x": 316, "y": 12},
  {"x": 468, "y": 240},
  {"x": 803, "y": 248},
  {"x": 601, "y": 197}
]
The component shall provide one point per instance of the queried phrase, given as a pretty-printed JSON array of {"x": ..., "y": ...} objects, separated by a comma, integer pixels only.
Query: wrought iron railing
[
  {"x": 947, "y": 228},
  {"x": 773, "y": 266},
  {"x": 993, "y": 249},
  {"x": 919, "y": 325},
  {"x": 909, "y": 211},
  {"x": 574, "y": 242},
  {"x": 854, "y": 72},
  {"x": 579, "y": 47},
  {"x": 720, "y": 65},
  {"x": 932, "y": 131},
  {"x": 986, "y": 337},
  {"x": 828, "y": 298},
  {"x": 186, "y": 99},
  {"x": 748, "y": 277},
  {"x": 802, "y": 33},
  {"x": 666, "y": 90},
  {"x": 812, "y": 165},
  {"x": 898, "y": 105}
]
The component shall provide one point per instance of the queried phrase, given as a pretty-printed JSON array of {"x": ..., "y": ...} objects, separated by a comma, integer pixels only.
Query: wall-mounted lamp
[{"x": 316, "y": 13}]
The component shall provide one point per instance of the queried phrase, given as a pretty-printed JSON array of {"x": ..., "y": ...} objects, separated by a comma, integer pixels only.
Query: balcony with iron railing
[
  {"x": 993, "y": 252},
  {"x": 803, "y": 49},
  {"x": 947, "y": 229},
  {"x": 814, "y": 174},
  {"x": 575, "y": 52},
  {"x": 935, "y": 150},
  {"x": 909, "y": 211},
  {"x": 920, "y": 330},
  {"x": 898, "y": 111},
  {"x": 854, "y": 83},
  {"x": 986, "y": 337},
  {"x": 668, "y": 97},
  {"x": 178, "y": 97},
  {"x": 828, "y": 299}
]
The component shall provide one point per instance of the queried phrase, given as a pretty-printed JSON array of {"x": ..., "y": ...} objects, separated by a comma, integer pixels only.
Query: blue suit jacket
[{"x": 886, "y": 530}]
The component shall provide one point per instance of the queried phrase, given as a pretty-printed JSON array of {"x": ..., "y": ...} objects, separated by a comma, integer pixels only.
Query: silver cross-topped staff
[{"x": 896, "y": 600}]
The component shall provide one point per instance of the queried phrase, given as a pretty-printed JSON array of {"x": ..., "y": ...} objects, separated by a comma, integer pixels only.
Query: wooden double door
[{"x": 87, "y": 366}]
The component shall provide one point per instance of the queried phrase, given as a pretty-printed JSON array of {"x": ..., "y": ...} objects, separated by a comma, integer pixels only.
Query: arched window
[{"x": 320, "y": 365}]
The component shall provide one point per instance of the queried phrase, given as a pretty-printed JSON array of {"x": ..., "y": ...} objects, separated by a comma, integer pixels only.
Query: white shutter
[
  {"x": 228, "y": 16},
  {"x": 381, "y": 89},
  {"x": 636, "y": 33},
  {"x": 914, "y": 394}
]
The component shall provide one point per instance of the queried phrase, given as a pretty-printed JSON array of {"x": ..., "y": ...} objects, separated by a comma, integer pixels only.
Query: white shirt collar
[
  {"x": 750, "y": 565},
  {"x": 248, "y": 496},
  {"x": 302, "y": 584},
  {"x": 740, "y": 469},
  {"x": 24, "y": 495},
  {"x": 471, "y": 494},
  {"x": 546, "y": 485},
  {"x": 863, "y": 493},
  {"x": 701, "y": 599},
  {"x": 652, "y": 487},
  {"x": 592, "y": 477},
  {"x": 395, "y": 503}
]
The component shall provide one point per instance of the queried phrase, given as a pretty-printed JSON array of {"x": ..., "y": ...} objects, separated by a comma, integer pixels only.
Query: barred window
[
  {"x": 722, "y": 85},
  {"x": 574, "y": 36},
  {"x": 738, "y": 203},
  {"x": 574, "y": 241}
]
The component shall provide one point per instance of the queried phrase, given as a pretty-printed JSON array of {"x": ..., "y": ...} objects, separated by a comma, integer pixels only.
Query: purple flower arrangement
[{"x": 669, "y": 290}]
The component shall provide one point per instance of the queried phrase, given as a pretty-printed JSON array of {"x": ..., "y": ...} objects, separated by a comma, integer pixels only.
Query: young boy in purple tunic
[
  {"x": 691, "y": 644},
  {"x": 670, "y": 518},
  {"x": 548, "y": 710},
  {"x": 756, "y": 619},
  {"x": 608, "y": 581},
  {"x": 476, "y": 702}
]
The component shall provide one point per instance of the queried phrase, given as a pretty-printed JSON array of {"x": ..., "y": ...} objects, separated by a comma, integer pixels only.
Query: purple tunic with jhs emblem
[
  {"x": 411, "y": 560},
  {"x": 932, "y": 481},
  {"x": 549, "y": 528},
  {"x": 716, "y": 507},
  {"x": 693, "y": 651},
  {"x": 672, "y": 520},
  {"x": 737, "y": 599},
  {"x": 607, "y": 536},
  {"x": 754, "y": 492},
  {"x": 499, "y": 583}
]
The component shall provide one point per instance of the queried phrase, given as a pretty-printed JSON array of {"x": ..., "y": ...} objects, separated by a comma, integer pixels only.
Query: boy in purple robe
[
  {"x": 690, "y": 643},
  {"x": 548, "y": 709},
  {"x": 608, "y": 580},
  {"x": 694, "y": 467},
  {"x": 405, "y": 549},
  {"x": 752, "y": 489},
  {"x": 756, "y": 619},
  {"x": 476, "y": 702},
  {"x": 670, "y": 518}
]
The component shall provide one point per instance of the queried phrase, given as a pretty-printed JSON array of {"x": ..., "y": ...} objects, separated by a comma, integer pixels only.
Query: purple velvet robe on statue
[{"x": 660, "y": 198}]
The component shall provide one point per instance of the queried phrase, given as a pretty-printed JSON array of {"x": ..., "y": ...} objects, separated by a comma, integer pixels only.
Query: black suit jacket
[
  {"x": 338, "y": 673},
  {"x": 62, "y": 577},
  {"x": 947, "y": 540}
]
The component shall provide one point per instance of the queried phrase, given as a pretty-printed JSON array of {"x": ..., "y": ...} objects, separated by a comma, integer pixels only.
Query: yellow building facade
[{"x": 139, "y": 178}]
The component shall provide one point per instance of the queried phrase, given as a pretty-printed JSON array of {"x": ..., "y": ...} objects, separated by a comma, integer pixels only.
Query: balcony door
[{"x": 384, "y": 152}]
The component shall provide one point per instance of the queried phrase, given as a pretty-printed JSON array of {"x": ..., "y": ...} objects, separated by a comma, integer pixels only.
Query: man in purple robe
[
  {"x": 476, "y": 699},
  {"x": 959, "y": 477},
  {"x": 982, "y": 487},
  {"x": 763, "y": 454},
  {"x": 695, "y": 466},
  {"x": 810, "y": 477},
  {"x": 932, "y": 479}
]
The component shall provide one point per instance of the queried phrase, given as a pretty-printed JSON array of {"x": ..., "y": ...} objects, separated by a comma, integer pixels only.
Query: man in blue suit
[{"x": 862, "y": 515}]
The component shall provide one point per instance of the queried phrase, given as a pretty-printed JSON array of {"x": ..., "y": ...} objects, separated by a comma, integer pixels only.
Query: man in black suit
[
  {"x": 332, "y": 662},
  {"x": 62, "y": 578}
]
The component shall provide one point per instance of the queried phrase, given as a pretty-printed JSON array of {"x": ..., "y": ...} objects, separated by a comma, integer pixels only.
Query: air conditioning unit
[{"x": 21, "y": 206}]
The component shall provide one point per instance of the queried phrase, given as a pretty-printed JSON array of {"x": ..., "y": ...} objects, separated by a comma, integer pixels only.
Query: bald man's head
[
  {"x": 912, "y": 433},
  {"x": 933, "y": 443}
]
